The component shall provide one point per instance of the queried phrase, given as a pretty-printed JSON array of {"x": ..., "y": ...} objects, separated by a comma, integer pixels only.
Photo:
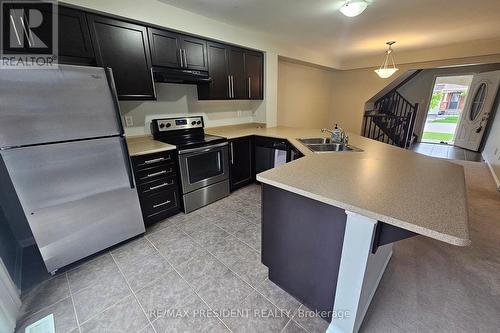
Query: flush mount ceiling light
[
  {"x": 388, "y": 67},
  {"x": 353, "y": 8}
]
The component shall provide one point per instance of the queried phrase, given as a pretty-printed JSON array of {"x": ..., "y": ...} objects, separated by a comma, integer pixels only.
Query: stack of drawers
[{"x": 157, "y": 185}]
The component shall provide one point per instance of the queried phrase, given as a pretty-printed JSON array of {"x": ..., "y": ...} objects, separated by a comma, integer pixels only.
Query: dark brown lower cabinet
[
  {"x": 241, "y": 162},
  {"x": 157, "y": 185}
]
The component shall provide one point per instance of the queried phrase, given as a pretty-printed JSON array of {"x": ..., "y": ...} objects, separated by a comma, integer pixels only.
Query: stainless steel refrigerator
[{"x": 65, "y": 161}]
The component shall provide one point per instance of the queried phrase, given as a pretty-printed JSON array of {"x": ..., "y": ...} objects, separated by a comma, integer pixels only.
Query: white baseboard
[{"x": 495, "y": 177}]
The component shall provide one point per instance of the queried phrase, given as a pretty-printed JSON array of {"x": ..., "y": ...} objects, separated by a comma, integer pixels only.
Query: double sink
[{"x": 327, "y": 145}]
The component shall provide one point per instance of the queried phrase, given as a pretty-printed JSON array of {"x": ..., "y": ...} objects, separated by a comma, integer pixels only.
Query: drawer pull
[
  {"x": 162, "y": 204},
  {"x": 160, "y": 186},
  {"x": 156, "y": 160},
  {"x": 158, "y": 173}
]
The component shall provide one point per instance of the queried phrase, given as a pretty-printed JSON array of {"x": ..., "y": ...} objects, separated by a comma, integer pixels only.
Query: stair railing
[{"x": 392, "y": 121}]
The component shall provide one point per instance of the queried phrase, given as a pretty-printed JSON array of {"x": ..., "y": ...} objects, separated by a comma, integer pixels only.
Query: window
[
  {"x": 477, "y": 102},
  {"x": 454, "y": 99}
]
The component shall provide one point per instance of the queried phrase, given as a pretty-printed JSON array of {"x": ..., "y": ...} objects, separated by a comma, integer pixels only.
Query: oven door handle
[{"x": 202, "y": 149}]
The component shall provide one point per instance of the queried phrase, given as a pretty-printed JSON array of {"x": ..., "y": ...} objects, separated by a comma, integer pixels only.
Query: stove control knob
[
  {"x": 198, "y": 122},
  {"x": 193, "y": 123},
  {"x": 162, "y": 125},
  {"x": 169, "y": 124}
]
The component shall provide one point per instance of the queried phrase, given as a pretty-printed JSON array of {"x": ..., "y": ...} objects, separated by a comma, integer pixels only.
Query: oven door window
[{"x": 204, "y": 166}]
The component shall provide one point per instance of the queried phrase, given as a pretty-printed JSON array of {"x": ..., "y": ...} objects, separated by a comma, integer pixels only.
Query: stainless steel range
[{"x": 203, "y": 159}]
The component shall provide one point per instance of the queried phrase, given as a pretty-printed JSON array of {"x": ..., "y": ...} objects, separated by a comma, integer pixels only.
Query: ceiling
[{"x": 319, "y": 26}]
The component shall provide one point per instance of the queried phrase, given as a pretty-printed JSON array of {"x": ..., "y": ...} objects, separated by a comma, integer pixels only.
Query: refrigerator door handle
[
  {"x": 112, "y": 87},
  {"x": 128, "y": 164}
]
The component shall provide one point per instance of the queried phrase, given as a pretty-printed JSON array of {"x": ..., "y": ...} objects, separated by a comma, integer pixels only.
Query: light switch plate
[
  {"x": 44, "y": 325},
  {"x": 129, "y": 121}
]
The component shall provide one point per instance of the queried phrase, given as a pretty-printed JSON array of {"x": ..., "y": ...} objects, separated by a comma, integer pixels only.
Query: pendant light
[
  {"x": 388, "y": 67},
  {"x": 353, "y": 8}
]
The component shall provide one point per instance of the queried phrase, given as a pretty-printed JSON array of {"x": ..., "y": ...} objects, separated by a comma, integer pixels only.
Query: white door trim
[
  {"x": 10, "y": 303},
  {"x": 359, "y": 274},
  {"x": 470, "y": 132}
]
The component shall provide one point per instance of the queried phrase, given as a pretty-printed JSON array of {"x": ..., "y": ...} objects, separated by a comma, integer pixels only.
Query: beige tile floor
[
  {"x": 209, "y": 260},
  {"x": 446, "y": 151},
  {"x": 195, "y": 263}
]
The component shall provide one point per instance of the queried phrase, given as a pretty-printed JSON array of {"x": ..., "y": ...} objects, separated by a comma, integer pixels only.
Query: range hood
[{"x": 187, "y": 76}]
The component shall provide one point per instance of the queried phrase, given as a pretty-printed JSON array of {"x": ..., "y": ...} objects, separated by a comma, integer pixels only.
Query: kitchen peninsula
[{"x": 329, "y": 220}]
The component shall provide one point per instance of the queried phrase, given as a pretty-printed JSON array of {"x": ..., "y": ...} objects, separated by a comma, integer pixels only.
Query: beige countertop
[
  {"x": 422, "y": 194},
  {"x": 142, "y": 145}
]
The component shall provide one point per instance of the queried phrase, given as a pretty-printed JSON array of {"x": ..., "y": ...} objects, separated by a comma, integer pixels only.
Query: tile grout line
[
  {"x": 43, "y": 309},
  {"x": 231, "y": 234},
  {"x": 106, "y": 308},
  {"x": 252, "y": 287},
  {"x": 305, "y": 329},
  {"x": 133, "y": 294},
  {"x": 73, "y": 302},
  {"x": 190, "y": 286}
]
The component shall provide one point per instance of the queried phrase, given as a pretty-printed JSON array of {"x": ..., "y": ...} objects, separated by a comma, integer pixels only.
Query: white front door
[{"x": 476, "y": 113}]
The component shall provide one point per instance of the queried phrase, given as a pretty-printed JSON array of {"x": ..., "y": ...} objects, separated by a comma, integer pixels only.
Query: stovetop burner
[
  {"x": 183, "y": 132},
  {"x": 182, "y": 142}
]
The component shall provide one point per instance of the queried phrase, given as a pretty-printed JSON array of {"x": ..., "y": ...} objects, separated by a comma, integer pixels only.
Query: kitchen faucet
[{"x": 338, "y": 134}]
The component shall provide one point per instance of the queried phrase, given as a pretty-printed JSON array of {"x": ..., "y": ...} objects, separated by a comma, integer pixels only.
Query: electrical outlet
[{"x": 129, "y": 121}]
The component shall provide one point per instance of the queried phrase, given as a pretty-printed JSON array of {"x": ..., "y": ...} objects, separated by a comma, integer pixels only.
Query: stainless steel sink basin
[
  {"x": 316, "y": 141},
  {"x": 327, "y": 145}
]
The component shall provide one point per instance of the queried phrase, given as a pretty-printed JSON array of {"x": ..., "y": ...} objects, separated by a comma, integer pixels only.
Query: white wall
[
  {"x": 353, "y": 88},
  {"x": 179, "y": 99},
  {"x": 304, "y": 95},
  {"x": 491, "y": 152}
]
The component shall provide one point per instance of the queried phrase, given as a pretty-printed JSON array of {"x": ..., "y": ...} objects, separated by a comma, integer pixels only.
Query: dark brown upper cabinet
[
  {"x": 124, "y": 48},
  {"x": 220, "y": 86},
  {"x": 195, "y": 53},
  {"x": 170, "y": 49},
  {"x": 75, "y": 46},
  {"x": 236, "y": 73},
  {"x": 254, "y": 68}
]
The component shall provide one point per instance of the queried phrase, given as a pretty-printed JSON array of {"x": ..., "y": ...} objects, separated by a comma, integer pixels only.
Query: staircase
[{"x": 391, "y": 121}]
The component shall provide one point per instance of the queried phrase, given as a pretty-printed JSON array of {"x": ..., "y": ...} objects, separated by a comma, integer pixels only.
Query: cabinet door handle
[
  {"x": 249, "y": 87},
  {"x": 162, "y": 204},
  {"x": 161, "y": 185},
  {"x": 153, "y": 82},
  {"x": 232, "y": 86},
  {"x": 229, "y": 85},
  {"x": 232, "y": 153},
  {"x": 181, "y": 58},
  {"x": 185, "y": 58}
]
